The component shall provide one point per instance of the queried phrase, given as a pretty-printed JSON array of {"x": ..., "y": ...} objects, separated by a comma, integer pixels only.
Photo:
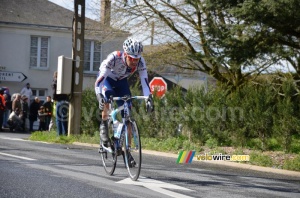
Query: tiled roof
[{"x": 39, "y": 12}]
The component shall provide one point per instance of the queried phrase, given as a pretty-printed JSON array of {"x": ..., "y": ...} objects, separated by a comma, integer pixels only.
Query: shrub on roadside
[
  {"x": 292, "y": 164},
  {"x": 295, "y": 145},
  {"x": 273, "y": 144},
  {"x": 90, "y": 114},
  {"x": 211, "y": 143},
  {"x": 260, "y": 159},
  {"x": 254, "y": 116}
]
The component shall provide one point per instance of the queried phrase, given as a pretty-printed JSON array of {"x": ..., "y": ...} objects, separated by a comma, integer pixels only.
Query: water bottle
[
  {"x": 116, "y": 124},
  {"x": 120, "y": 128}
]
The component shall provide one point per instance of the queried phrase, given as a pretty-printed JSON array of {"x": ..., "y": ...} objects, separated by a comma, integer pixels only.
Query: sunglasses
[{"x": 133, "y": 59}]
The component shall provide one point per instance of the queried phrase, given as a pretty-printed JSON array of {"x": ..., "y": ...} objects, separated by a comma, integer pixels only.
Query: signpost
[
  {"x": 12, "y": 76},
  {"x": 158, "y": 86}
]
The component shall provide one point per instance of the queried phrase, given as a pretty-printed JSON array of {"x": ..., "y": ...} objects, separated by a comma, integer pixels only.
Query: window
[
  {"x": 92, "y": 56},
  {"x": 39, "y": 52},
  {"x": 40, "y": 93}
]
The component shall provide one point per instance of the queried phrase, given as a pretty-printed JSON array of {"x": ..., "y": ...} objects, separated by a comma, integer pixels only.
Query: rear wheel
[
  {"x": 109, "y": 158},
  {"x": 133, "y": 152}
]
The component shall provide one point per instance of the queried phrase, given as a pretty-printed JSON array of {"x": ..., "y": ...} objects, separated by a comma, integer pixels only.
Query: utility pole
[
  {"x": 77, "y": 75},
  {"x": 105, "y": 12},
  {"x": 152, "y": 33}
]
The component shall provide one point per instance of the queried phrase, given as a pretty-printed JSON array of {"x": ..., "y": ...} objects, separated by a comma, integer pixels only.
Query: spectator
[
  {"x": 62, "y": 109},
  {"x": 7, "y": 99},
  {"x": 17, "y": 102},
  {"x": 4, "y": 121},
  {"x": 33, "y": 112},
  {"x": 42, "y": 118},
  {"x": 14, "y": 120},
  {"x": 27, "y": 91},
  {"x": 2, "y": 107},
  {"x": 53, "y": 117},
  {"x": 25, "y": 111},
  {"x": 13, "y": 97},
  {"x": 48, "y": 109},
  {"x": 8, "y": 103}
]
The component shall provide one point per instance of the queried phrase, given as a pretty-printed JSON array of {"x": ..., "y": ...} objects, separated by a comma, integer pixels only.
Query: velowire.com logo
[{"x": 188, "y": 156}]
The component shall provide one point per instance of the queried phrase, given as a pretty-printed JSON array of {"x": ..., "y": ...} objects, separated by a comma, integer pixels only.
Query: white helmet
[{"x": 133, "y": 48}]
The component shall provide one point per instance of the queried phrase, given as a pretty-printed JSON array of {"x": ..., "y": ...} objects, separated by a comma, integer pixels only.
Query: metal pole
[{"x": 77, "y": 75}]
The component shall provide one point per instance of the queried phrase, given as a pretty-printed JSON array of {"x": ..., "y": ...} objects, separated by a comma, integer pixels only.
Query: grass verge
[{"x": 279, "y": 159}]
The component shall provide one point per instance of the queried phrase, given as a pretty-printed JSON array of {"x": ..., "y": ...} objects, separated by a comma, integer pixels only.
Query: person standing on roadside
[
  {"x": 17, "y": 102},
  {"x": 8, "y": 105},
  {"x": 2, "y": 107},
  {"x": 42, "y": 118},
  {"x": 33, "y": 112},
  {"x": 48, "y": 105},
  {"x": 25, "y": 111},
  {"x": 62, "y": 109},
  {"x": 27, "y": 92}
]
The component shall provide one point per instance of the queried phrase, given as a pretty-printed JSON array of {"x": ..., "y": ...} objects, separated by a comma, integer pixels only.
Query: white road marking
[
  {"x": 19, "y": 139},
  {"x": 157, "y": 186},
  {"x": 7, "y": 138},
  {"x": 16, "y": 156}
]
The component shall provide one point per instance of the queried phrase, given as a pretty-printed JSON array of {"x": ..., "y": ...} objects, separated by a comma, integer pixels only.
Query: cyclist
[{"x": 112, "y": 79}]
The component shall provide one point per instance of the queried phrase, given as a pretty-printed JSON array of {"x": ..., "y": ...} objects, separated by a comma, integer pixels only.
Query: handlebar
[
  {"x": 127, "y": 97},
  {"x": 124, "y": 98}
]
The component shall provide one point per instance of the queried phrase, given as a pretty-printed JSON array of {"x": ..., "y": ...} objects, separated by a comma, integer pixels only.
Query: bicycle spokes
[
  {"x": 133, "y": 155},
  {"x": 109, "y": 156}
]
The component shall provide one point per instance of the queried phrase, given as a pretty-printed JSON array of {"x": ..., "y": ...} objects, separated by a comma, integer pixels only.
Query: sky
[
  {"x": 69, "y": 4},
  {"x": 90, "y": 10}
]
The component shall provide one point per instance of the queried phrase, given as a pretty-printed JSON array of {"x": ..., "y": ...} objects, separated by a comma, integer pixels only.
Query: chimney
[{"x": 105, "y": 12}]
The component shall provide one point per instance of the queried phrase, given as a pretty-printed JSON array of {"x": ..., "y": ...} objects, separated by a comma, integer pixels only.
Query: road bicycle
[{"x": 125, "y": 139}]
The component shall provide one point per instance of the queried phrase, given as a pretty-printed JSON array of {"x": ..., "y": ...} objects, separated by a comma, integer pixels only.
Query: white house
[{"x": 33, "y": 33}]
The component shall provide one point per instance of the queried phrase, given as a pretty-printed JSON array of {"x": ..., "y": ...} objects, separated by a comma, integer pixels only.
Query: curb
[{"x": 220, "y": 163}]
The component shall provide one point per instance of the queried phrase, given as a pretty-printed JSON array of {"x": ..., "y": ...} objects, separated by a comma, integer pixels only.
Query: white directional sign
[
  {"x": 158, "y": 186},
  {"x": 12, "y": 76}
]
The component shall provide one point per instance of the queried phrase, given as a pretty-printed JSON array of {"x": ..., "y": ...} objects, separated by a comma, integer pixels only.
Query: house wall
[{"x": 15, "y": 55}]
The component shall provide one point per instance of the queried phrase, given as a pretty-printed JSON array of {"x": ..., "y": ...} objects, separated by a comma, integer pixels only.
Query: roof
[
  {"x": 42, "y": 13},
  {"x": 151, "y": 74},
  {"x": 37, "y": 12}
]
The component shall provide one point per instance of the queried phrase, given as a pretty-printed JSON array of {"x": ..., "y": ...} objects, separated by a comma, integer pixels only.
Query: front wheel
[
  {"x": 109, "y": 158},
  {"x": 133, "y": 151}
]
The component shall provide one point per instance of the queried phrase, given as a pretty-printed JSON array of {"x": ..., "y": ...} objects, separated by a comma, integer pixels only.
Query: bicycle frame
[{"x": 113, "y": 113}]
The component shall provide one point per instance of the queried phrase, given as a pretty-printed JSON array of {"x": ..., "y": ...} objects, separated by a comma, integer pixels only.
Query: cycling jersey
[{"x": 115, "y": 67}]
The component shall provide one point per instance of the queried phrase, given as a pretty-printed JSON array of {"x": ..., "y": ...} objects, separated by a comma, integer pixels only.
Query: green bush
[
  {"x": 254, "y": 143},
  {"x": 260, "y": 159},
  {"x": 254, "y": 115},
  {"x": 292, "y": 164},
  {"x": 211, "y": 143},
  {"x": 90, "y": 114},
  {"x": 149, "y": 143},
  {"x": 295, "y": 145},
  {"x": 274, "y": 145}
]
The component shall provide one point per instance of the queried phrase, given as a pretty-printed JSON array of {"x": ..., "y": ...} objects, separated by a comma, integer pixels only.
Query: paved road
[{"x": 35, "y": 169}]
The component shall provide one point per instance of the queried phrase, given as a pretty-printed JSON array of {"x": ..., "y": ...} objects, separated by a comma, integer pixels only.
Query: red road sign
[{"x": 158, "y": 86}]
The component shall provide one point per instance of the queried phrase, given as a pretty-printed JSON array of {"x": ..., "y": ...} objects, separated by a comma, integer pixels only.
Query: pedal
[
  {"x": 100, "y": 150},
  {"x": 119, "y": 151},
  {"x": 131, "y": 164}
]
